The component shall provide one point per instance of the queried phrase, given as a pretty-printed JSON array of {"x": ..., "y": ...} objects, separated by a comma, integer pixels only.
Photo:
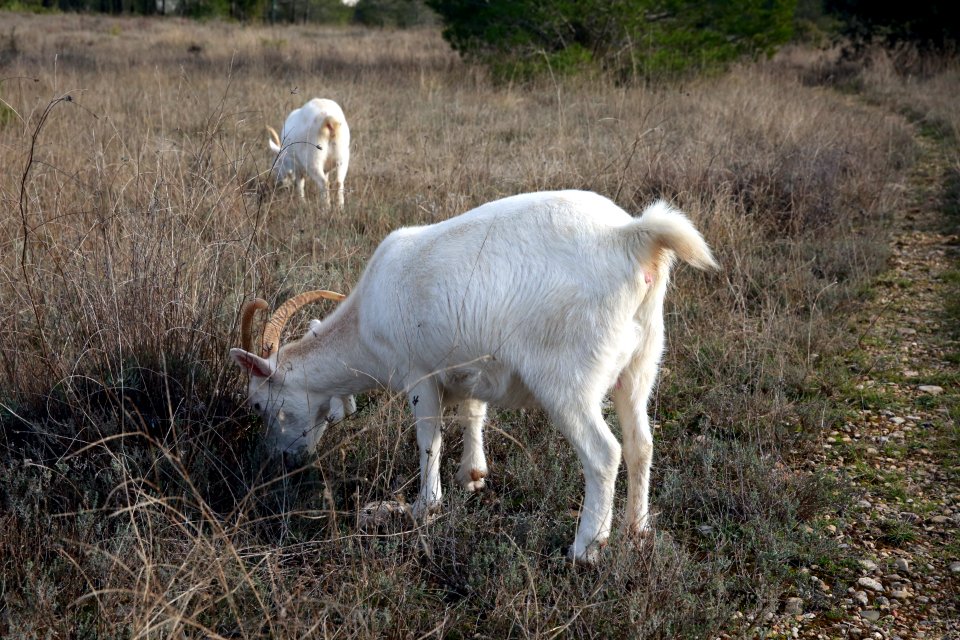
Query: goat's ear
[
  {"x": 273, "y": 146},
  {"x": 251, "y": 363}
]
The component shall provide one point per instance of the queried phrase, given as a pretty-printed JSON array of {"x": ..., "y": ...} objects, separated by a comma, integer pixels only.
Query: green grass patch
[
  {"x": 888, "y": 483},
  {"x": 896, "y": 532}
]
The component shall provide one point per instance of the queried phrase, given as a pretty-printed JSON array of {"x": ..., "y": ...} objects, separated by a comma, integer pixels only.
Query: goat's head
[
  {"x": 294, "y": 413},
  {"x": 284, "y": 167}
]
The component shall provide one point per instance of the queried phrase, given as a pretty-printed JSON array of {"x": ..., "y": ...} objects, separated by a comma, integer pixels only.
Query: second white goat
[
  {"x": 543, "y": 299},
  {"x": 314, "y": 143}
]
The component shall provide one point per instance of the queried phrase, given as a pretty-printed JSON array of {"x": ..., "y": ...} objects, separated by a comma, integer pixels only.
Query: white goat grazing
[
  {"x": 542, "y": 299},
  {"x": 315, "y": 143}
]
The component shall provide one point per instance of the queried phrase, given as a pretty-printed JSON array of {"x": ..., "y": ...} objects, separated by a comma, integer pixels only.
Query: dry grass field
[{"x": 137, "y": 213}]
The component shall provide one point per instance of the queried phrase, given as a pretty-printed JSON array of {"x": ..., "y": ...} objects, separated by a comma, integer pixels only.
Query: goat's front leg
[
  {"x": 473, "y": 463},
  {"x": 301, "y": 182},
  {"x": 425, "y": 403},
  {"x": 340, "y": 408}
]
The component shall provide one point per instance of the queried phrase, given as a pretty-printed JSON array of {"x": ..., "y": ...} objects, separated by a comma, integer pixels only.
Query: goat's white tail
[{"x": 663, "y": 227}]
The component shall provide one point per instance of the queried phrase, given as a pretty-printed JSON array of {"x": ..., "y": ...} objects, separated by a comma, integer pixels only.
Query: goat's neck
[{"x": 334, "y": 359}]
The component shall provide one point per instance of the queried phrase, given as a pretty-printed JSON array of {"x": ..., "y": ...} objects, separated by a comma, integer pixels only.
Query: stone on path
[
  {"x": 793, "y": 606},
  {"x": 868, "y": 565},
  {"x": 870, "y": 583},
  {"x": 870, "y": 614}
]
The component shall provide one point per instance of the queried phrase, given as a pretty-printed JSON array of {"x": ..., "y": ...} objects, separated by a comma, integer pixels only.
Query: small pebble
[
  {"x": 870, "y": 614},
  {"x": 793, "y": 606},
  {"x": 868, "y": 565},
  {"x": 870, "y": 583},
  {"x": 932, "y": 389}
]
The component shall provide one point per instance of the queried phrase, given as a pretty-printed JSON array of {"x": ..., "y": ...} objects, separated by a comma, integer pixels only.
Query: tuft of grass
[{"x": 897, "y": 533}]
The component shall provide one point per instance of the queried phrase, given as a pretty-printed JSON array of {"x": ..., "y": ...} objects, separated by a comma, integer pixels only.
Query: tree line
[
  {"x": 396, "y": 13},
  {"x": 630, "y": 39}
]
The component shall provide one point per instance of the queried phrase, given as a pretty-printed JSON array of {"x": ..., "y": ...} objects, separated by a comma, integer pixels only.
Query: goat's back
[{"x": 530, "y": 279}]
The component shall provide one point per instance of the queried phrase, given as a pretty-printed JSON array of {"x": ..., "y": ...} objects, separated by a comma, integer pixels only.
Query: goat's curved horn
[
  {"x": 246, "y": 321},
  {"x": 276, "y": 323},
  {"x": 274, "y": 135}
]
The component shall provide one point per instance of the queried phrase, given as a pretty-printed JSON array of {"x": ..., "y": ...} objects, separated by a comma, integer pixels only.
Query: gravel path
[{"x": 898, "y": 452}]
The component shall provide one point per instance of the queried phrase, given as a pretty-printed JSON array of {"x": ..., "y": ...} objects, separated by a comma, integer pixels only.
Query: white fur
[
  {"x": 315, "y": 143},
  {"x": 543, "y": 299}
]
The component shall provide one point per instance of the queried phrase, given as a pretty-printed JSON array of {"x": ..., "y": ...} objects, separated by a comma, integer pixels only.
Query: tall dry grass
[{"x": 137, "y": 214}]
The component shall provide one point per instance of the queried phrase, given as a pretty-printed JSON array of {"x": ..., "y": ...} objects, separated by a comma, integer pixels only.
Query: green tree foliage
[
  {"x": 393, "y": 13},
  {"x": 931, "y": 26},
  {"x": 248, "y": 9},
  {"x": 327, "y": 11},
  {"x": 632, "y": 38}
]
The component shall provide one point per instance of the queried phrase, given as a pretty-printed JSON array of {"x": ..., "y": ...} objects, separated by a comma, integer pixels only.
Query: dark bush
[
  {"x": 631, "y": 38},
  {"x": 930, "y": 26},
  {"x": 393, "y": 13}
]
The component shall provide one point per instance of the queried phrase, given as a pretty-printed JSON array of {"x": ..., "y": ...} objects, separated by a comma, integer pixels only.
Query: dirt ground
[{"x": 898, "y": 451}]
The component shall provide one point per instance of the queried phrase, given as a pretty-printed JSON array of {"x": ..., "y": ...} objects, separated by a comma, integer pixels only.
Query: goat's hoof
[
  {"x": 472, "y": 480},
  {"x": 640, "y": 534},
  {"x": 424, "y": 513},
  {"x": 377, "y": 514},
  {"x": 589, "y": 556}
]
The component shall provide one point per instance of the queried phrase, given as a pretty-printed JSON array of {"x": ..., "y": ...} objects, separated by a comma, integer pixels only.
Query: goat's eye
[{"x": 256, "y": 406}]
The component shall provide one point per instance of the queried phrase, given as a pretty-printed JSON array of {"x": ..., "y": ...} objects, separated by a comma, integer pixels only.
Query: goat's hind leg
[
  {"x": 630, "y": 400},
  {"x": 473, "y": 463},
  {"x": 340, "y": 177},
  {"x": 599, "y": 453},
  {"x": 318, "y": 176}
]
